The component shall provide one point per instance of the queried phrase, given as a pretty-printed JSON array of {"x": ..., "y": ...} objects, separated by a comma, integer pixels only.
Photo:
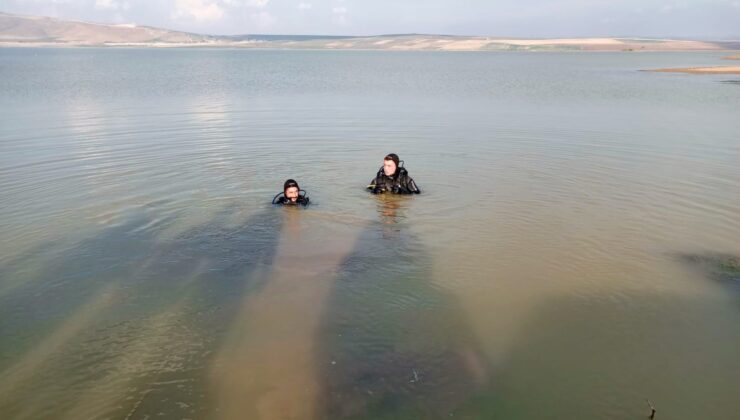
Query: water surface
[{"x": 559, "y": 263}]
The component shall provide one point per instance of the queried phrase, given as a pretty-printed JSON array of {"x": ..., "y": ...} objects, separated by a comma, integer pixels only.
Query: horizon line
[{"x": 730, "y": 38}]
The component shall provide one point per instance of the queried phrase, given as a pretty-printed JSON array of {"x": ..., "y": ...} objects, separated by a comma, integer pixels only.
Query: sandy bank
[
  {"x": 560, "y": 41},
  {"x": 703, "y": 70}
]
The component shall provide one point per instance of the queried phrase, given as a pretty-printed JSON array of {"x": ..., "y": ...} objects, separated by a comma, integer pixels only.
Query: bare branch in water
[{"x": 652, "y": 409}]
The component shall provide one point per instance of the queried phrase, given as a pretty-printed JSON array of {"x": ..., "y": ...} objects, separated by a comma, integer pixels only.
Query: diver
[
  {"x": 292, "y": 195},
  {"x": 392, "y": 177}
]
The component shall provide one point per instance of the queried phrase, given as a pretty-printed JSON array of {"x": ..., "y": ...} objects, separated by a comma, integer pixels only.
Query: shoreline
[
  {"x": 48, "y": 32},
  {"x": 701, "y": 70},
  {"x": 252, "y": 45}
]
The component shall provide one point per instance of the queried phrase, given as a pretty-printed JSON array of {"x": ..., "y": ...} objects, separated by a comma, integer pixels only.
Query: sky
[{"x": 702, "y": 19}]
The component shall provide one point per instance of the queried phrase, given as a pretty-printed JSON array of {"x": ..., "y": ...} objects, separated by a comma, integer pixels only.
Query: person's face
[
  {"x": 291, "y": 193},
  {"x": 389, "y": 167}
]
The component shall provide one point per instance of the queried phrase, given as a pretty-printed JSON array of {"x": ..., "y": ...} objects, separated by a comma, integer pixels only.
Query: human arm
[{"x": 408, "y": 186}]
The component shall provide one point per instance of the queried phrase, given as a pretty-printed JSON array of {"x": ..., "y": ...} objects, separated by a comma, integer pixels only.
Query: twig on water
[{"x": 652, "y": 409}]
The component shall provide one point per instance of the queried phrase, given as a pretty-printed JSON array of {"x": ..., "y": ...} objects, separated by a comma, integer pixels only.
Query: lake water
[{"x": 570, "y": 255}]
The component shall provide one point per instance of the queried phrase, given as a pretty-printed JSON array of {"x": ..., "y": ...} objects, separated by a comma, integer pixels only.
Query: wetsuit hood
[{"x": 290, "y": 183}]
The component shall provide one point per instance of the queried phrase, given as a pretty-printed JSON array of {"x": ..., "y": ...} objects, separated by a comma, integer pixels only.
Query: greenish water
[{"x": 574, "y": 251}]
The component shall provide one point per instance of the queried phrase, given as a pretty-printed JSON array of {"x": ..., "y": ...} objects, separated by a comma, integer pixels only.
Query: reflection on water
[
  {"x": 557, "y": 265},
  {"x": 391, "y": 211}
]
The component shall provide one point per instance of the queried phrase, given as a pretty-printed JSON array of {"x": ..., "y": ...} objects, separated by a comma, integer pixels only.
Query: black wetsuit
[
  {"x": 284, "y": 201},
  {"x": 399, "y": 183}
]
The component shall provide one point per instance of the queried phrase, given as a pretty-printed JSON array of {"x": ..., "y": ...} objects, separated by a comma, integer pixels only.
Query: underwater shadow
[
  {"x": 101, "y": 304},
  {"x": 391, "y": 343}
]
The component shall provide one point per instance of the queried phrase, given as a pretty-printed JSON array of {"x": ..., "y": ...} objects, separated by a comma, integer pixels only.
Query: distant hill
[
  {"x": 44, "y": 31},
  {"x": 31, "y": 29}
]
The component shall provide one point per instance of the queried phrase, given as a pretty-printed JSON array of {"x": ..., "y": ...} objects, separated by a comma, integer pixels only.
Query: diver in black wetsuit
[
  {"x": 393, "y": 178},
  {"x": 292, "y": 195}
]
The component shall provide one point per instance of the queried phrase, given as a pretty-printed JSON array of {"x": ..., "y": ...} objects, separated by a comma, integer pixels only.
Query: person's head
[
  {"x": 390, "y": 164},
  {"x": 291, "y": 190}
]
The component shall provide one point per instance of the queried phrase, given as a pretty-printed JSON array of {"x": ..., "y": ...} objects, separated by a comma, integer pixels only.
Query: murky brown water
[{"x": 574, "y": 251}]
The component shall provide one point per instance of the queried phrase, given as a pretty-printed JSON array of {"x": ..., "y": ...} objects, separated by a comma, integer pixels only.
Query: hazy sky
[{"x": 715, "y": 19}]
